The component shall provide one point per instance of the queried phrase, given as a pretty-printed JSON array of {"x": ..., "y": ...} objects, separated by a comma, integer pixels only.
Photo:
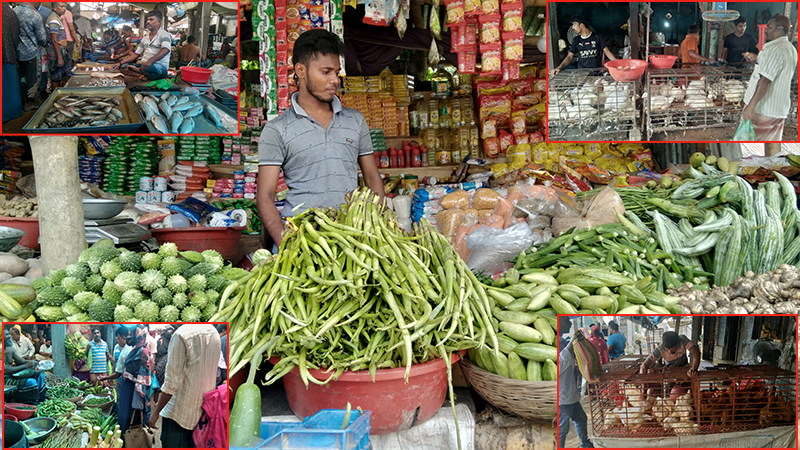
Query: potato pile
[{"x": 19, "y": 207}]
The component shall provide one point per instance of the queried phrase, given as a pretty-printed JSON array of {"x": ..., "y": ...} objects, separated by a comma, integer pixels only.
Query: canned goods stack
[
  {"x": 154, "y": 190},
  {"x": 90, "y": 169}
]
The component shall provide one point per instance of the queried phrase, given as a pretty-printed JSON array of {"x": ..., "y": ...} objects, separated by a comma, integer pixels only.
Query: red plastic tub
[
  {"x": 224, "y": 240},
  {"x": 10, "y": 417},
  {"x": 624, "y": 70},
  {"x": 196, "y": 74},
  {"x": 663, "y": 61},
  {"x": 30, "y": 225},
  {"x": 395, "y": 405},
  {"x": 20, "y": 414}
]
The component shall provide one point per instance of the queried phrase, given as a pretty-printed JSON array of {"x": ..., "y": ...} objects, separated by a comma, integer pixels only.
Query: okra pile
[
  {"x": 350, "y": 291},
  {"x": 628, "y": 247}
]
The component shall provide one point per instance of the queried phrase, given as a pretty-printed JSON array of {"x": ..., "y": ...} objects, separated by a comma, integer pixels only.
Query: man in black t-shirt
[
  {"x": 739, "y": 46},
  {"x": 588, "y": 46}
]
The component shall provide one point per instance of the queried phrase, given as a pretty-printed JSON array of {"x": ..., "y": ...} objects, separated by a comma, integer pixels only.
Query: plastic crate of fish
[
  {"x": 666, "y": 403},
  {"x": 696, "y": 97},
  {"x": 323, "y": 430}
]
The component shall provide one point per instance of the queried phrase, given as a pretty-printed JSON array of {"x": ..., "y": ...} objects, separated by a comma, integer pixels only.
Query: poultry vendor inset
[
  {"x": 588, "y": 45},
  {"x": 672, "y": 353}
]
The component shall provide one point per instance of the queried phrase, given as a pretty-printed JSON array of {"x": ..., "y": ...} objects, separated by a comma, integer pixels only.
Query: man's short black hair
[
  {"x": 314, "y": 43},
  {"x": 122, "y": 331},
  {"x": 127, "y": 28},
  {"x": 154, "y": 13},
  {"x": 670, "y": 339},
  {"x": 190, "y": 39},
  {"x": 107, "y": 32},
  {"x": 581, "y": 19},
  {"x": 694, "y": 28},
  {"x": 613, "y": 325},
  {"x": 741, "y": 19}
]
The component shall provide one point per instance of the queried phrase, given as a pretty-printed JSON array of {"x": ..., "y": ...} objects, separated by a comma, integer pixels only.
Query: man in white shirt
[
  {"x": 21, "y": 344},
  {"x": 192, "y": 360},
  {"x": 767, "y": 100},
  {"x": 45, "y": 351},
  {"x": 155, "y": 49},
  {"x": 121, "y": 337}
]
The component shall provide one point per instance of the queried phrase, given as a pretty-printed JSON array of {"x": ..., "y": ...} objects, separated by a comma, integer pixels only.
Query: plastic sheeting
[
  {"x": 438, "y": 433},
  {"x": 773, "y": 437}
]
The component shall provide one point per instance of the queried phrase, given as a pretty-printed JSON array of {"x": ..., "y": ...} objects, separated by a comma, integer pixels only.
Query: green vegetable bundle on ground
[
  {"x": 109, "y": 284},
  {"x": 65, "y": 437},
  {"x": 63, "y": 392},
  {"x": 55, "y": 408},
  {"x": 350, "y": 291}
]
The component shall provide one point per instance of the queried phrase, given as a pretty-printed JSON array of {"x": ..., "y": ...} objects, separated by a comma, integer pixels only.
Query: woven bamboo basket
[{"x": 526, "y": 399}]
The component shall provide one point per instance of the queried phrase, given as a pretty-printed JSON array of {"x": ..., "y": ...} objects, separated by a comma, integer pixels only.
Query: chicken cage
[
  {"x": 695, "y": 98},
  {"x": 667, "y": 403},
  {"x": 587, "y": 104}
]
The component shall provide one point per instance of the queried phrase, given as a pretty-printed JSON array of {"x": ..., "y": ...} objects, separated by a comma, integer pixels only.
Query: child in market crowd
[
  {"x": 191, "y": 372},
  {"x": 121, "y": 336},
  {"x": 616, "y": 341},
  {"x": 569, "y": 400}
]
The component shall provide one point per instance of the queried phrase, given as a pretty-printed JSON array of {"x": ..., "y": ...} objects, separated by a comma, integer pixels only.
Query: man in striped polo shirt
[
  {"x": 100, "y": 357},
  {"x": 767, "y": 100},
  {"x": 318, "y": 143}
]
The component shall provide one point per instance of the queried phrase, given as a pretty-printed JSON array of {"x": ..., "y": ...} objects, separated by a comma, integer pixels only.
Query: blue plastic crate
[{"x": 320, "y": 431}]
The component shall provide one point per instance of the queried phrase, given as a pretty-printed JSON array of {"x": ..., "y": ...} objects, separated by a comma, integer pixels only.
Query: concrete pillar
[
  {"x": 204, "y": 10},
  {"x": 61, "y": 232},
  {"x": 58, "y": 333},
  {"x": 772, "y": 148}
]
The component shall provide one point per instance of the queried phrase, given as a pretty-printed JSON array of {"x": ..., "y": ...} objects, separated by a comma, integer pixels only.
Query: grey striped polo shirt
[{"x": 319, "y": 165}]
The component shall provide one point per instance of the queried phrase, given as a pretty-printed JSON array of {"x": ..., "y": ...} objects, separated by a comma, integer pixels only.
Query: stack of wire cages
[
  {"x": 667, "y": 403},
  {"x": 589, "y": 105},
  {"x": 695, "y": 97}
]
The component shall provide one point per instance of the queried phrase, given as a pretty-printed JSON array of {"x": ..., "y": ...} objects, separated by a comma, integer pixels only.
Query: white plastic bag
[{"x": 492, "y": 247}]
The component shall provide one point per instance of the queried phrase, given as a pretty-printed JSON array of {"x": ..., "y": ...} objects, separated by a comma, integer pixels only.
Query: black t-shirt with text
[
  {"x": 737, "y": 45},
  {"x": 588, "y": 50}
]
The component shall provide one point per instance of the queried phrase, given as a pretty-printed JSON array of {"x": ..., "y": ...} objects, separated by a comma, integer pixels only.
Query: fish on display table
[
  {"x": 212, "y": 115},
  {"x": 187, "y": 126},
  {"x": 159, "y": 124},
  {"x": 73, "y": 111},
  {"x": 195, "y": 110},
  {"x": 170, "y": 113},
  {"x": 175, "y": 122}
]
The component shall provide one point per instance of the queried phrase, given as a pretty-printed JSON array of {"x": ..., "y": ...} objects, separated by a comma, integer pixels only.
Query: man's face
[
  {"x": 47, "y": 342},
  {"x": 96, "y": 335},
  {"x": 740, "y": 29},
  {"x": 127, "y": 33},
  {"x": 773, "y": 30},
  {"x": 153, "y": 23},
  {"x": 564, "y": 325},
  {"x": 121, "y": 340},
  {"x": 15, "y": 335},
  {"x": 59, "y": 8},
  {"x": 321, "y": 76},
  {"x": 576, "y": 26},
  {"x": 674, "y": 351}
]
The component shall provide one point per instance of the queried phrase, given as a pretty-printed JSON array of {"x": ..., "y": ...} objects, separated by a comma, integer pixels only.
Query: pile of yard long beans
[{"x": 350, "y": 291}]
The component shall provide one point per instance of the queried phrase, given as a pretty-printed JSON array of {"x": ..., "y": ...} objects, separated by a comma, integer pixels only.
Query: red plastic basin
[
  {"x": 10, "y": 417},
  {"x": 224, "y": 240},
  {"x": 196, "y": 74},
  {"x": 663, "y": 61},
  {"x": 20, "y": 414},
  {"x": 30, "y": 225},
  {"x": 624, "y": 70},
  {"x": 395, "y": 405}
]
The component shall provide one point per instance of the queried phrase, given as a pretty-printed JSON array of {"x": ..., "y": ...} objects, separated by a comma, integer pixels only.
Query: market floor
[
  {"x": 572, "y": 437},
  {"x": 15, "y": 125}
]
